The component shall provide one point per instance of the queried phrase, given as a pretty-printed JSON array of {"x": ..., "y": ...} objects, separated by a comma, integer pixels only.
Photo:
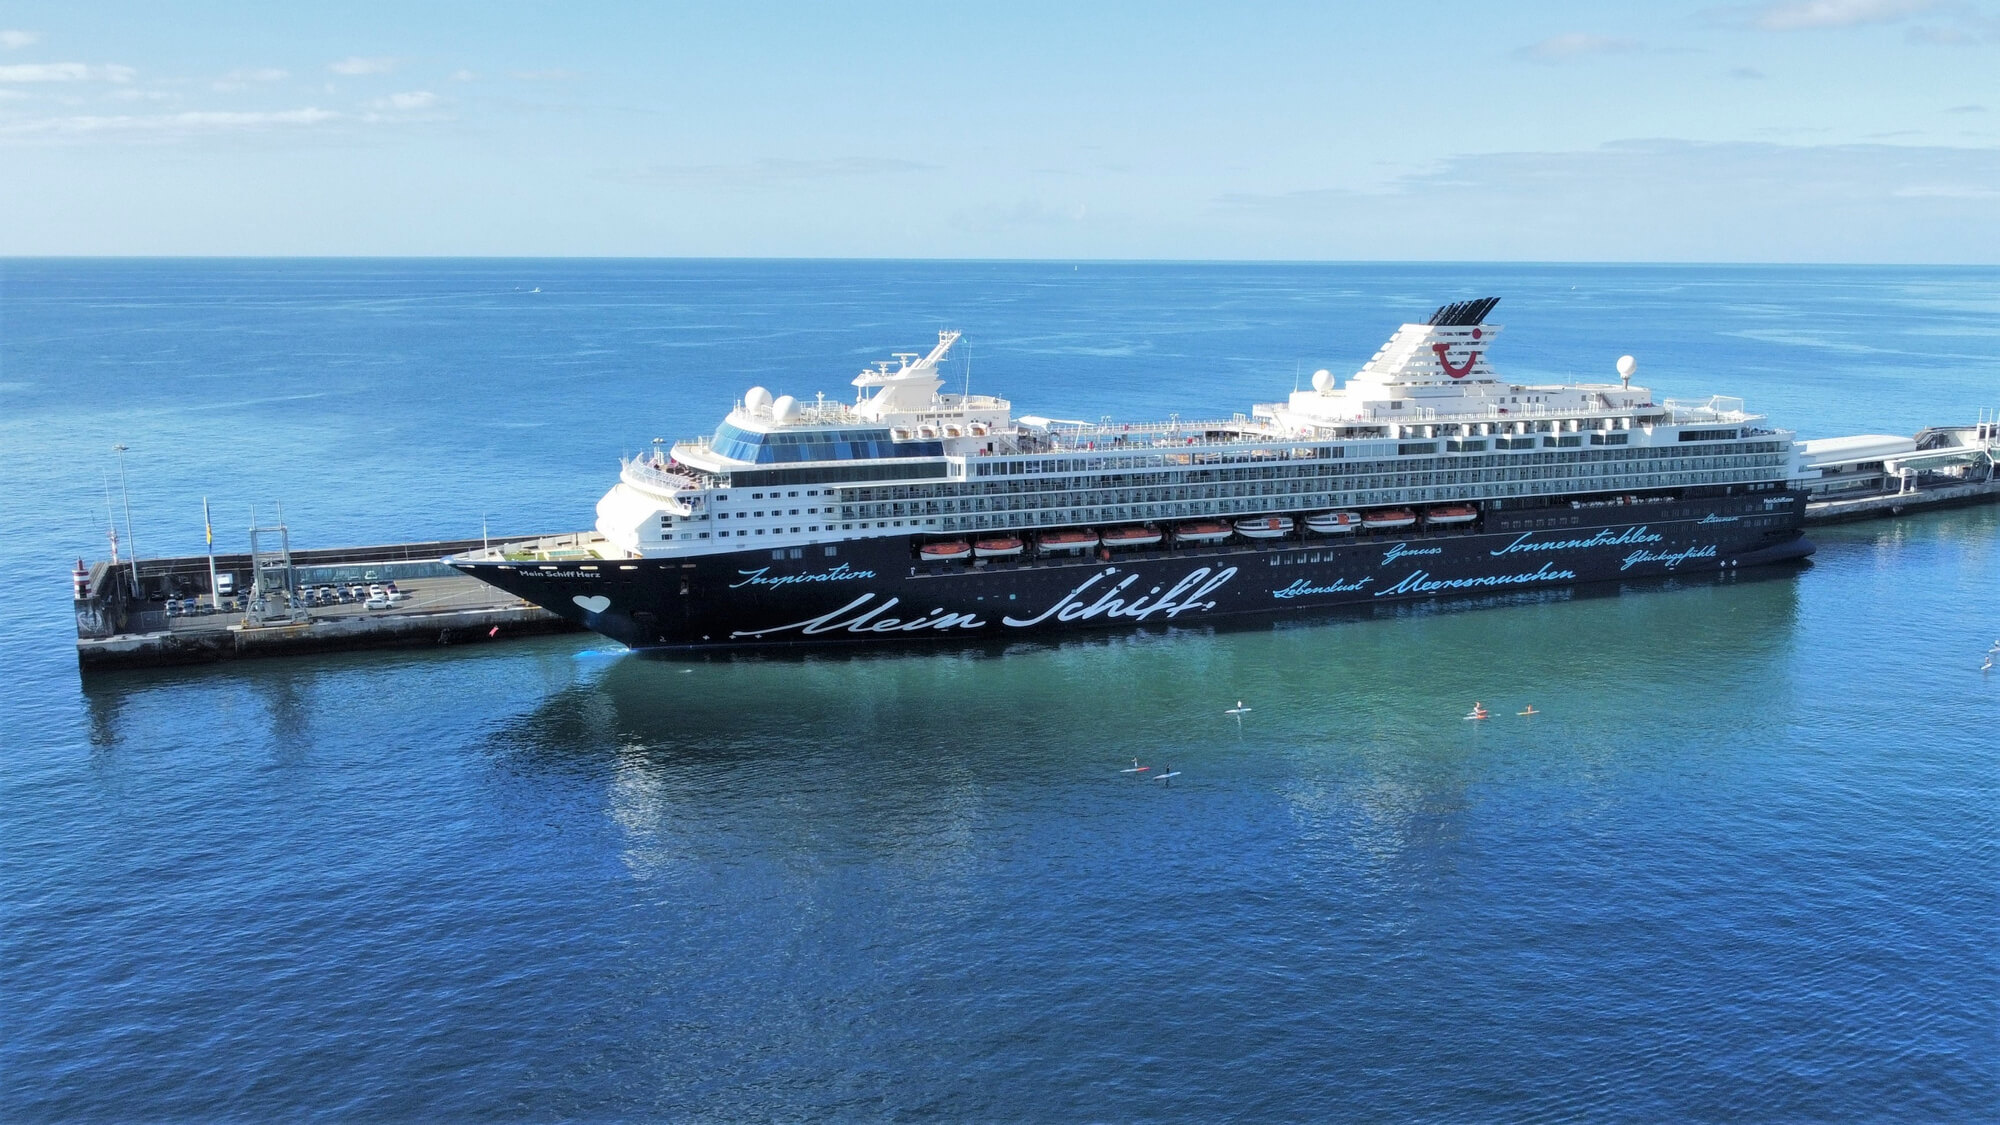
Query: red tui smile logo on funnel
[{"x": 1459, "y": 370}]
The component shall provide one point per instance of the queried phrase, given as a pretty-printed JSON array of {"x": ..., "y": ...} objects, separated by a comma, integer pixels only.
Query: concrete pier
[
  {"x": 120, "y": 628},
  {"x": 1885, "y": 504}
]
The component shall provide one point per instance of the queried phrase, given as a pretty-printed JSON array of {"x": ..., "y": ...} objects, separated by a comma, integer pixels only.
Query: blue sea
[{"x": 1744, "y": 864}]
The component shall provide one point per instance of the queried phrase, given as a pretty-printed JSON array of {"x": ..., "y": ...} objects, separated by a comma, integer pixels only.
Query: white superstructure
[{"x": 1425, "y": 421}]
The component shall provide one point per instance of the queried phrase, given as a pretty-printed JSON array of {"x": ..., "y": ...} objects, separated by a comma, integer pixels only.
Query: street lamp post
[{"x": 131, "y": 541}]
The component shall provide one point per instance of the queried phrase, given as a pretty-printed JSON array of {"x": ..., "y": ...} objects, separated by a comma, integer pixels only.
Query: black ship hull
[{"x": 862, "y": 590}]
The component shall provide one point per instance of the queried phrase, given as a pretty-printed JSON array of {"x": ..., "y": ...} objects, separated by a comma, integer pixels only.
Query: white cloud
[
  {"x": 772, "y": 170},
  {"x": 1946, "y": 191},
  {"x": 1662, "y": 200},
  {"x": 66, "y": 72},
  {"x": 462, "y": 76},
  {"x": 1748, "y": 74},
  {"x": 1966, "y": 109},
  {"x": 1806, "y": 15},
  {"x": 356, "y": 65},
  {"x": 1573, "y": 45},
  {"x": 556, "y": 74},
  {"x": 166, "y": 124},
  {"x": 14, "y": 40},
  {"x": 415, "y": 99},
  {"x": 243, "y": 77}
]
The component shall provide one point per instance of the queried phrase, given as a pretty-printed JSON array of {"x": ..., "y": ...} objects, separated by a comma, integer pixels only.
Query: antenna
[{"x": 968, "y": 373}]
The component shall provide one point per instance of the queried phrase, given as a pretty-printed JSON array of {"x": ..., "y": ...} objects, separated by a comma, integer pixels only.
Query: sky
[{"x": 1788, "y": 131}]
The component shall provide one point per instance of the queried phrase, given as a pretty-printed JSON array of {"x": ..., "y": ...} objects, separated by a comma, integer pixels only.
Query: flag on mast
[{"x": 207, "y": 527}]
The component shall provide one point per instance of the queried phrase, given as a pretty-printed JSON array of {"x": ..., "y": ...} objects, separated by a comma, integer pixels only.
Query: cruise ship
[{"x": 916, "y": 514}]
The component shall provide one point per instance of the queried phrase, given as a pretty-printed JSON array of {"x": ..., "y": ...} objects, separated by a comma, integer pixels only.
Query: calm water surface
[{"x": 1743, "y": 865}]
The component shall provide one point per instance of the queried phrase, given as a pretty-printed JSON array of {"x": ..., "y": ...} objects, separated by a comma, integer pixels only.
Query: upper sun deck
[{"x": 1430, "y": 380}]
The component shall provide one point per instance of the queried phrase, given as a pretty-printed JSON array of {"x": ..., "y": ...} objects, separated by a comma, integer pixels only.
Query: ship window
[
  {"x": 795, "y": 531},
  {"x": 798, "y": 552},
  {"x": 792, "y": 493},
  {"x": 832, "y": 551},
  {"x": 778, "y": 554},
  {"x": 756, "y": 496},
  {"x": 702, "y": 535},
  {"x": 795, "y": 511}
]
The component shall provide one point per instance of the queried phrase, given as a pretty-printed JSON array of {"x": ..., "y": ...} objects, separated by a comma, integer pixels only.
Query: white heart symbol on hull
[{"x": 595, "y": 603}]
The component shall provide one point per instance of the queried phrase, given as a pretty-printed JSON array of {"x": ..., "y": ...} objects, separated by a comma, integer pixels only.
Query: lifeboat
[
  {"x": 1202, "y": 531},
  {"x": 979, "y": 429},
  {"x": 1334, "y": 523},
  {"x": 947, "y": 551},
  {"x": 1129, "y": 536},
  {"x": 1388, "y": 519},
  {"x": 927, "y": 432},
  {"x": 1070, "y": 540},
  {"x": 1451, "y": 514},
  {"x": 1264, "y": 527},
  {"x": 998, "y": 547}
]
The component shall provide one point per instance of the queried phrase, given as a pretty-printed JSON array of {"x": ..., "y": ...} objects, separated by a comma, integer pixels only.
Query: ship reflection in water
[{"x": 1354, "y": 759}]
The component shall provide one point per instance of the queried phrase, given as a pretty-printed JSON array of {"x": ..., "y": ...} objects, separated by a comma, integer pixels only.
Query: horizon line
[{"x": 1747, "y": 263}]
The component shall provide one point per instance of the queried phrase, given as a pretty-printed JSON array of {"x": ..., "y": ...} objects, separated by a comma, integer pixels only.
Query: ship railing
[
  {"x": 1719, "y": 408},
  {"x": 1067, "y": 438},
  {"x": 659, "y": 478},
  {"x": 574, "y": 547}
]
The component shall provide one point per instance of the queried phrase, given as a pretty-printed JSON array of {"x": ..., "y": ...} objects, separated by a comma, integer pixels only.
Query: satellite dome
[
  {"x": 755, "y": 399},
  {"x": 785, "y": 410},
  {"x": 1627, "y": 366},
  {"x": 1322, "y": 380}
]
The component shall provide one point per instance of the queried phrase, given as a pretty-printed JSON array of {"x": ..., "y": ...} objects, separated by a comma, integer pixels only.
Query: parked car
[{"x": 379, "y": 601}]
